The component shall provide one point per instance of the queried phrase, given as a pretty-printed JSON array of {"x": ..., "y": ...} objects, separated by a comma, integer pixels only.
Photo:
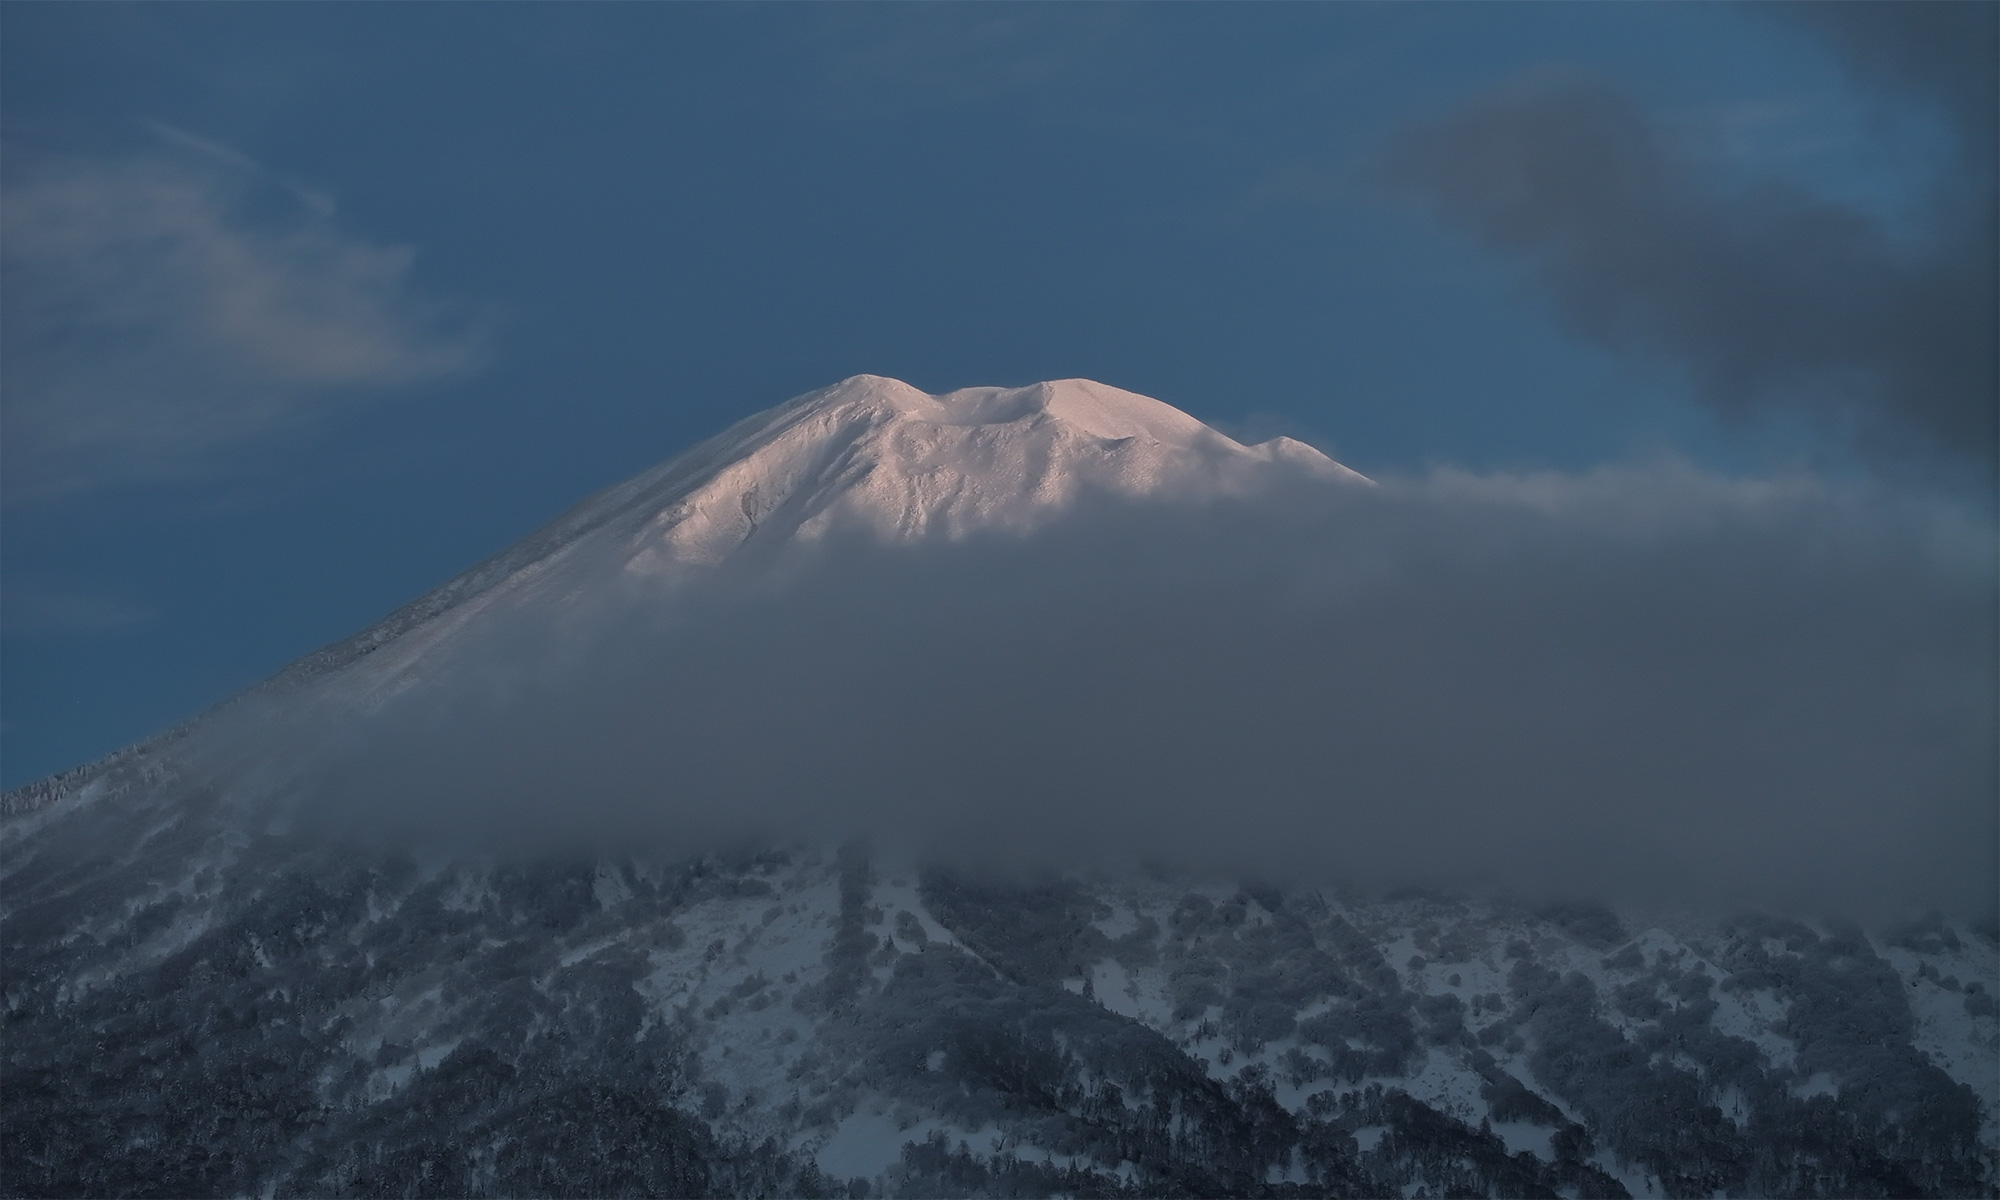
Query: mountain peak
[
  {"x": 1082, "y": 406},
  {"x": 878, "y": 454},
  {"x": 1097, "y": 409},
  {"x": 869, "y": 456}
]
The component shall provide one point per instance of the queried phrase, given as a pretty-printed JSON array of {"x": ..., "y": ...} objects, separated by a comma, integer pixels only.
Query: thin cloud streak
[
  {"x": 922, "y": 56},
  {"x": 35, "y": 606},
  {"x": 167, "y": 309}
]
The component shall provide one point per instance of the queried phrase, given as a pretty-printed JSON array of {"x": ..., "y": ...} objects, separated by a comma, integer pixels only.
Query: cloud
[
  {"x": 1769, "y": 297},
  {"x": 1944, "y": 52},
  {"x": 923, "y": 55},
  {"x": 36, "y": 606},
  {"x": 1644, "y": 683},
  {"x": 166, "y": 309}
]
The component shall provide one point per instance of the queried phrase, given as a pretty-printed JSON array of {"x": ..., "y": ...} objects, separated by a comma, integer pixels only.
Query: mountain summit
[
  {"x": 880, "y": 455},
  {"x": 869, "y": 456}
]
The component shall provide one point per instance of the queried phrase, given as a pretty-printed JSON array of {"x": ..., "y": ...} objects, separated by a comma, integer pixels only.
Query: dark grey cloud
[
  {"x": 1943, "y": 50},
  {"x": 1642, "y": 683},
  {"x": 1767, "y": 295}
]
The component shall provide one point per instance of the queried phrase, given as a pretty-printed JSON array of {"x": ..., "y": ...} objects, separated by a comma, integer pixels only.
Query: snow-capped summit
[
  {"x": 877, "y": 455},
  {"x": 870, "y": 456}
]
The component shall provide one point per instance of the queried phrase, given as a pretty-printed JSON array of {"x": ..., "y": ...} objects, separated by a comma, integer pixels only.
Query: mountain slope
[
  {"x": 868, "y": 456},
  {"x": 202, "y": 1000}
]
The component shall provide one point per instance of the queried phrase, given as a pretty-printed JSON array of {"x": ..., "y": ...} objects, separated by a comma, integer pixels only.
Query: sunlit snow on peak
[
  {"x": 878, "y": 456},
  {"x": 869, "y": 457}
]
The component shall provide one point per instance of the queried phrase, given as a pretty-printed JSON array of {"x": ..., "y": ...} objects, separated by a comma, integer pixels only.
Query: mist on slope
[{"x": 1643, "y": 683}]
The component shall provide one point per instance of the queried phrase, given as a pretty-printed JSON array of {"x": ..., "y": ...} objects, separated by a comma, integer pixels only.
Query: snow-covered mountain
[
  {"x": 198, "y": 1003},
  {"x": 870, "y": 457}
]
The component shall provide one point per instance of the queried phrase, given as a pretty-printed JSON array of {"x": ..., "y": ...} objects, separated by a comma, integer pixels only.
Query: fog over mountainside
[
  {"x": 1030, "y": 790},
  {"x": 1071, "y": 619}
]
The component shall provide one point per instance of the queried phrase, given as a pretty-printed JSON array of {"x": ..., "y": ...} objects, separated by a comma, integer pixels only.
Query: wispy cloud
[{"x": 166, "y": 309}]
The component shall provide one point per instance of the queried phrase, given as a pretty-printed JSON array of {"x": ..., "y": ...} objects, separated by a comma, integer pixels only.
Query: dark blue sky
[{"x": 310, "y": 307}]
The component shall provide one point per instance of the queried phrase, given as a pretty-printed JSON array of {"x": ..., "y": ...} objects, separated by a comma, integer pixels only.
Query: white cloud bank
[{"x": 167, "y": 308}]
